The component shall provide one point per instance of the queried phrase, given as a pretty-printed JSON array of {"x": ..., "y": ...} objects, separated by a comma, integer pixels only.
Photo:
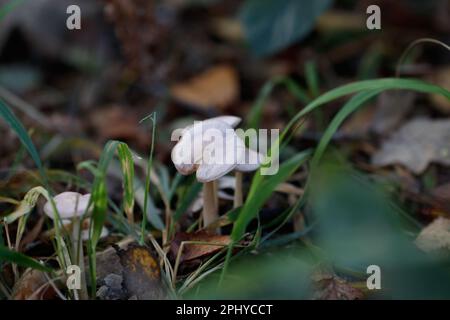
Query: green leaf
[
  {"x": 127, "y": 164},
  {"x": 9, "y": 7},
  {"x": 16, "y": 125},
  {"x": 186, "y": 201},
  {"x": 99, "y": 197},
  {"x": 21, "y": 259},
  {"x": 378, "y": 84},
  {"x": 254, "y": 117},
  {"x": 353, "y": 104},
  {"x": 272, "y": 25},
  {"x": 27, "y": 204}
]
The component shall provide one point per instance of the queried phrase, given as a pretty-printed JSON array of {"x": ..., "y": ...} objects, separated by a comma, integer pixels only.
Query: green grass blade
[
  {"x": 254, "y": 118},
  {"x": 16, "y": 125},
  {"x": 254, "y": 202},
  {"x": 99, "y": 197},
  {"x": 9, "y": 7},
  {"x": 152, "y": 117},
  {"x": 186, "y": 201},
  {"x": 127, "y": 164},
  {"x": 21, "y": 259},
  {"x": 312, "y": 78},
  {"x": 379, "y": 84},
  {"x": 27, "y": 204},
  {"x": 352, "y": 105},
  {"x": 99, "y": 201}
]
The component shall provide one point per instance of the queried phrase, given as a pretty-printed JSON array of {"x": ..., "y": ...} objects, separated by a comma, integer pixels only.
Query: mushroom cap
[
  {"x": 210, "y": 147},
  {"x": 232, "y": 121},
  {"x": 68, "y": 204}
]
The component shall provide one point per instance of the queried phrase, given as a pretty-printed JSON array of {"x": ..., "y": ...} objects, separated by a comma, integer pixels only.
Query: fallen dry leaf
[
  {"x": 197, "y": 251},
  {"x": 331, "y": 287},
  {"x": 391, "y": 109},
  {"x": 442, "y": 193},
  {"x": 217, "y": 87},
  {"x": 417, "y": 144},
  {"x": 116, "y": 123},
  {"x": 435, "y": 237},
  {"x": 439, "y": 199},
  {"x": 33, "y": 285},
  {"x": 228, "y": 29},
  {"x": 359, "y": 124}
]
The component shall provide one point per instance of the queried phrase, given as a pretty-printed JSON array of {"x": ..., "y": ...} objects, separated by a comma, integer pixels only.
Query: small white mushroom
[
  {"x": 212, "y": 149},
  {"x": 72, "y": 206},
  {"x": 225, "y": 182},
  {"x": 68, "y": 205}
]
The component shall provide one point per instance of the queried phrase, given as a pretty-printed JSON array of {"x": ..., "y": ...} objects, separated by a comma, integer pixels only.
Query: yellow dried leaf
[{"x": 217, "y": 87}]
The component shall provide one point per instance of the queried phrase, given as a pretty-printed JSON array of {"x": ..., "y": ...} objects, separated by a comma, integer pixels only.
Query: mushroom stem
[
  {"x": 238, "y": 196},
  {"x": 130, "y": 217},
  {"x": 216, "y": 197},
  {"x": 78, "y": 254},
  {"x": 210, "y": 213},
  {"x": 76, "y": 230}
]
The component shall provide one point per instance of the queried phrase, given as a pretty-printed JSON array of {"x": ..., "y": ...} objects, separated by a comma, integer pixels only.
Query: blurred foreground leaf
[
  {"x": 271, "y": 25},
  {"x": 280, "y": 275},
  {"x": 359, "y": 226}
]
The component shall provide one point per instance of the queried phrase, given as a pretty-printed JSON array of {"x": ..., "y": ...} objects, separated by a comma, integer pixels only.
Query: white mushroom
[
  {"x": 68, "y": 205},
  {"x": 225, "y": 182},
  {"x": 72, "y": 206},
  {"x": 212, "y": 149}
]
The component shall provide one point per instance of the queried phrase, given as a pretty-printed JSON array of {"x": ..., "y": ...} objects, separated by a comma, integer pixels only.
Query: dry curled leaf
[
  {"x": 33, "y": 285},
  {"x": 442, "y": 193},
  {"x": 435, "y": 237},
  {"x": 439, "y": 198},
  {"x": 208, "y": 244},
  {"x": 392, "y": 107},
  {"x": 331, "y": 287},
  {"x": 217, "y": 87},
  {"x": 116, "y": 123},
  {"x": 417, "y": 144}
]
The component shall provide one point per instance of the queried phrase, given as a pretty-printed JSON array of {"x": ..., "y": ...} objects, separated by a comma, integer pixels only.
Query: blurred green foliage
[
  {"x": 272, "y": 25},
  {"x": 358, "y": 226}
]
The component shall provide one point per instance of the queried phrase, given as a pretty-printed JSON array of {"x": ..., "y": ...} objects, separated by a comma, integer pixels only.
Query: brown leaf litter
[
  {"x": 217, "y": 87},
  {"x": 435, "y": 237},
  {"x": 416, "y": 144}
]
